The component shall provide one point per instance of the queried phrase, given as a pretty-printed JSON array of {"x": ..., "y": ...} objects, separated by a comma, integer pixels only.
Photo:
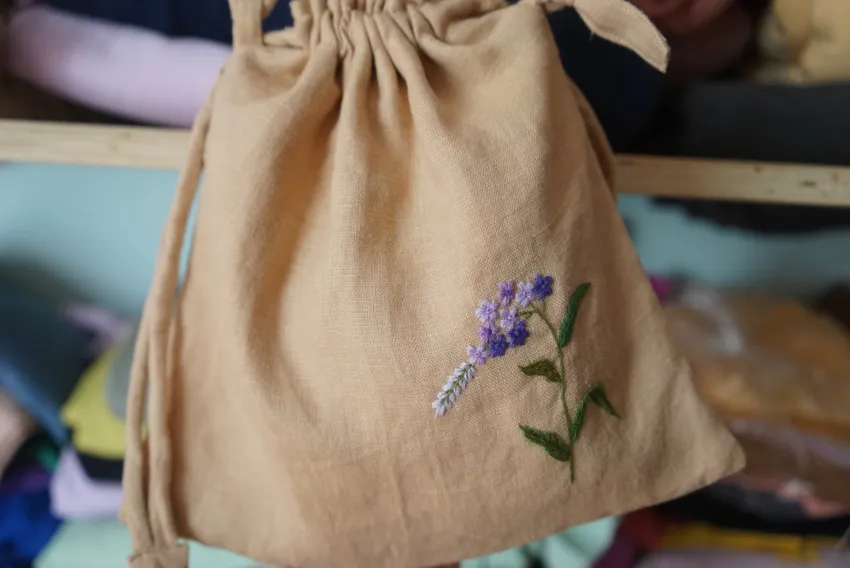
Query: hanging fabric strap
[
  {"x": 248, "y": 16},
  {"x": 147, "y": 466},
  {"x": 619, "y": 22},
  {"x": 147, "y": 509}
]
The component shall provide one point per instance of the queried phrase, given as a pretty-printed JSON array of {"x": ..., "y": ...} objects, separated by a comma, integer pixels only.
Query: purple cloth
[
  {"x": 621, "y": 553},
  {"x": 721, "y": 559},
  {"x": 74, "y": 496},
  {"x": 25, "y": 479}
]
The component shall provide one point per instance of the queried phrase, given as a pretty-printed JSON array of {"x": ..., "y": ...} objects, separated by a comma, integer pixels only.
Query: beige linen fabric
[{"x": 370, "y": 175}]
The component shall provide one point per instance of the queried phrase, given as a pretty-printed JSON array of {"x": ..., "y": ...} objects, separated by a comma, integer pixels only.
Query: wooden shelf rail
[{"x": 139, "y": 147}]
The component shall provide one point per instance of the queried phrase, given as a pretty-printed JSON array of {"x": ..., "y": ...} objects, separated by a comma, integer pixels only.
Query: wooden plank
[
  {"x": 729, "y": 180},
  {"x": 138, "y": 147},
  {"x": 92, "y": 144}
]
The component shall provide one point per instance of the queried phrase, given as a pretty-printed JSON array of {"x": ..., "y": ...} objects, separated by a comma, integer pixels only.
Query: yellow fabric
[
  {"x": 96, "y": 430},
  {"x": 370, "y": 175},
  {"x": 805, "y": 41},
  {"x": 790, "y": 547}
]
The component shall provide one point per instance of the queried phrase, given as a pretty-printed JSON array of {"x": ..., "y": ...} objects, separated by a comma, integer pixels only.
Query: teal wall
[{"x": 93, "y": 233}]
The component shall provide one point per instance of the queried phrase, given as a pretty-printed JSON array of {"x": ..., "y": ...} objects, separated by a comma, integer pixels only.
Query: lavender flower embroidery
[
  {"x": 455, "y": 385},
  {"x": 487, "y": 311},
  {"x": 525, "y": 295},
  {"x": 509, "y": 319},
  {"x": 506, "y": 292},
  {"x": 477, "y": 355},
  {"x": 510, "y": 332}
]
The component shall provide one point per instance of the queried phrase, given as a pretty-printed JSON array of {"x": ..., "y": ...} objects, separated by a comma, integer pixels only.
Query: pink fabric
[
  {"x": 122, "y": 70},
  {"x": 74, "y": 496}
]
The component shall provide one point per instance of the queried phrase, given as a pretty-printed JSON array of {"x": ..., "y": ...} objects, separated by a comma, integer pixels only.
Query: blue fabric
[
  {"x": 26, "y": 526},
  {"x": 41, "y": 357}
]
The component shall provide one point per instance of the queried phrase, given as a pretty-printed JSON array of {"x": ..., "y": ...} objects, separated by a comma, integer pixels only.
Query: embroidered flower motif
[
  {"x": 512, "y": 332},
  {"x": 487, "y": 311},
  {"x": 506, "y": 292},
  {"x": 518, "y": 334},
  {"x": 477, "y": 355},
  {"x": 542, "y": 286},
  {"x": 509, "y": 319},
  {"x": 499, "y": 345},
  {"x": 487, "y": 332},
  {"x": 525, "y": 295},
  {"x": 455, "y": 385}
]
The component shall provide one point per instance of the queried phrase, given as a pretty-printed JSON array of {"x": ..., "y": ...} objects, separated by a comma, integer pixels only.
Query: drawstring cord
[{"x": 149, "y": 514}]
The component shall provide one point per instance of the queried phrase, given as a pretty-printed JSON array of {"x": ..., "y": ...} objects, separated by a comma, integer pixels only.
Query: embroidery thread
[{"x": 505, "y": 325}]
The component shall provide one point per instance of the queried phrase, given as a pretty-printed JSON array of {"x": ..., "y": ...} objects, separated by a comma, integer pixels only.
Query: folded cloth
[
  {"x": 27, "y": 478},
  {"x": 700, "y": 536},
  {"x": 96, "y": 429},
  {"x": 74, "y": 496},
  {"x": 41, "y": 356},
  {"x": 99, "y": 469},
  {"x": 130, "y": 72},
  {"x": 15, "y": 427},
  {"x": 724, "y": 559},
  {"x": 621, "y": 554},
  {"x": 26, "y": 526},
  {"x": 193, "y": 18},
  {"x": 705, "y": 506}
]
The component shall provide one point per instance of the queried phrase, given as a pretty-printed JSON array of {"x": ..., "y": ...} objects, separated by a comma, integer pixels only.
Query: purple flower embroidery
[
  {"x": 518, "y": 334},
  {"x": 542, "y": 286},
  {"x": 525, "y": 295},
  {"x": 512, "y": 332},
  {"x": 509, "y": 319},
  {"x": 455, "y": 385},
  {"x": 506, "y": 292},
  {"x": 486, "y": 332},
  {"x": 477, "y": 355},
  {"x": 487, "y": 311},
  {"x": 499, "y": 345}
]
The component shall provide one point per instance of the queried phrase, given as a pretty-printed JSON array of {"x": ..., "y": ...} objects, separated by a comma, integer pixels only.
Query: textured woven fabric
[{"x": 370, "y": 175}]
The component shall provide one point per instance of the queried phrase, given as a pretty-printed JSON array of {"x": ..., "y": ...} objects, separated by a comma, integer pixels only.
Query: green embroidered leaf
[
  {"x": 578, "y": 421},
  {"x": 569, "y": 322},
  {"x": 599, "y": 397},
  {"x": 553, "y": 443},
  {"x": 595, "y": 394},
  {"x": 543, "y": 368}
]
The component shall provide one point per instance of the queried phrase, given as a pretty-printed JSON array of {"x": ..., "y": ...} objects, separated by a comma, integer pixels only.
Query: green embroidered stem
[
  {"x": 519, "y": 303},
  {"x": 567, "y": 418}
]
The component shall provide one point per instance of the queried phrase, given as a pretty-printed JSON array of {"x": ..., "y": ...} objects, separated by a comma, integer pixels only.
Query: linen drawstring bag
[{"x": 412, "y": 327}]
